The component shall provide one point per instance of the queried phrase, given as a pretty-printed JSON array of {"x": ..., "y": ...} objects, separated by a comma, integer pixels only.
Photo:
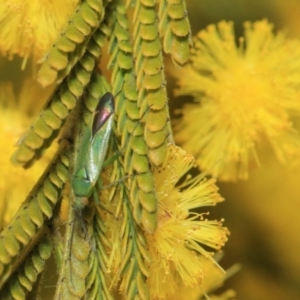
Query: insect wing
[
  {"x": 101, "y": 130},
  {"x": 105, "y": 108}
]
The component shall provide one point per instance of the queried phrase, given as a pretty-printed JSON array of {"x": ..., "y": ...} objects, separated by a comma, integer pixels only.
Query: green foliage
[
  {"x": 141, "y": 134},
  {"x": 29, "y": 223}
]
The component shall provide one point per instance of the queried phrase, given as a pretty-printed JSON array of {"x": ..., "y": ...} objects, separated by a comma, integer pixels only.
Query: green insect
[
  {"x": 92, "y": 151},
  {"x": 88, "y": 162}
]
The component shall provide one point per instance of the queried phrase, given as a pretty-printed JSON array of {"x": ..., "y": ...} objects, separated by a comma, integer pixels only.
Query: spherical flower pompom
[
  {"x": 28, "y": 28},
  {"x": 246, "y": 97},
  {"x": 178, "y": 258}
]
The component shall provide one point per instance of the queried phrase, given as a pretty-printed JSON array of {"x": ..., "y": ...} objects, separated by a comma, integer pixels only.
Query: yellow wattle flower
[
  {"x": 29, "y": 27},
  {"x": 246, "y": 96},
  {"x": 177, "y": 255}
]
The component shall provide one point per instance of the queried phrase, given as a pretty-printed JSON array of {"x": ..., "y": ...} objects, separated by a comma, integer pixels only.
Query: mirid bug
[{"x": 93, "y": 148}]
